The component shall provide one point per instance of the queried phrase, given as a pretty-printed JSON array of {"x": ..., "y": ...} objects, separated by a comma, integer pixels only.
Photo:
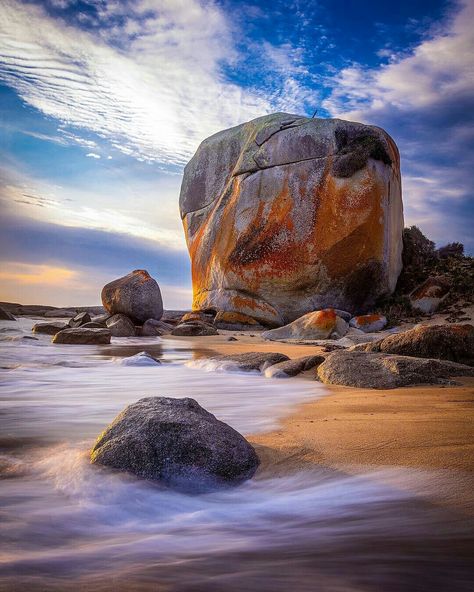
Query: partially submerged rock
[
  {"x": 82, "y": 336},
  {"x": 251, "y": 361},
  {"x": 386, "y": 371},
  {"x": 369, "y": 323},
  {"x": 447, "y": 342},
  {"x": 49, "y": 328},
  {"x": 141, "y": 359},
  {"x": 5, "y": 315},
  {"x": 176, "y": 442},
  {"x": 136, "y": 295},
  {"x": 427, "y": 297},
  {"x": 194, "y": 329},
  {"x": 293, "y": 367},
  {"x": 320, "y": 324},
  {"x": 120, "y": 325},
  {"x": 286, "y": 214}
]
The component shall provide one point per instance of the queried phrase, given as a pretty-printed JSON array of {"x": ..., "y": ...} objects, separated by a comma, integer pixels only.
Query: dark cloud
[{"x": 30, "y": 241}]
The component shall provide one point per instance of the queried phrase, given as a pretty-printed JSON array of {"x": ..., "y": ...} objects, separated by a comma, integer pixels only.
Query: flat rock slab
[
  {"x": 81, "y": 336},
  {"x": 386, "y": 371},
  {"x": 293, "y": 367},
  {"x": 251, "y": 361},
  {"x": 446, "y": 342},
  {"x": 176, "y": 442},
  {"x": 49, "y": 328}
]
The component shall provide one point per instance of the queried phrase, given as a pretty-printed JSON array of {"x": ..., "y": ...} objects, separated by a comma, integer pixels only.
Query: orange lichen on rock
[
  {"x": 232, "y": 317},
  {"x": 310, "y": 216},
  {"x": 368, "y": 319},
  {"x": 324, "y": 319}
]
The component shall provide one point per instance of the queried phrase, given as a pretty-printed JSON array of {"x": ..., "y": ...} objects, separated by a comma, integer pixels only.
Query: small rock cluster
[{"x": 133, "y": 307}]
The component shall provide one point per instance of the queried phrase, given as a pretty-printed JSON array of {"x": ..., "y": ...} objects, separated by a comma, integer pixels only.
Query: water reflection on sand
[{"x": 66, "y": 525}]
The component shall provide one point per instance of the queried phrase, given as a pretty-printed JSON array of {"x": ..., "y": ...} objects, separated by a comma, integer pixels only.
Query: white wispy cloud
[
  {"x": 154, "y": 95},
  {"x": 424, "y": 99},
  {"x": 93, "y": 155}
]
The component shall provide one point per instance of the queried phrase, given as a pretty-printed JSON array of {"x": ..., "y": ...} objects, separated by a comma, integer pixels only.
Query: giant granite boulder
[
  {"x": 284, "y": 215},
  {"x": 136, "y": 295}
]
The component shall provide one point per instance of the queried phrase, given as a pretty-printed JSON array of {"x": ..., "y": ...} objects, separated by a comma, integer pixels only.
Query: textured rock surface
[
  {"x": 5, "y": 315},
  {"x": 385, "y": 371},
  {"x": 136, "y": 295},
  {"x": 293, "y": 367},
  {"x": 320, "y": 324},
  {"x": 284, "y": 215},
  {"x": 236, "y": 321},
  {"x": 251, "y": 361},
  {"x": 428, "y": 296},
  {"x": 446, "y": 342},
  {"x": 194, "y": 329},
  {"x": 154, "y": 328},
  {"x": 369, "y": 323},
  {"x": 81, "y": 336},
  {"x": 177, "y": 442},
  {"x": 205, "y": 317},
  {"x": 80, "y": 319},
  {"x": 49, "y": 328},
  {"x": 120, "y": 325},
  {"x": 94, "y": 325}
]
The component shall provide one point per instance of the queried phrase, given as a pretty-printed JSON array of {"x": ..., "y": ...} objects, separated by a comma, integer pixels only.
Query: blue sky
[{"x": 103, "y": 102}]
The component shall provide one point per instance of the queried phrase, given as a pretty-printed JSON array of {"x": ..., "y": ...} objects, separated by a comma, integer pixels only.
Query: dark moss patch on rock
[{"x": 353, "y": 151}]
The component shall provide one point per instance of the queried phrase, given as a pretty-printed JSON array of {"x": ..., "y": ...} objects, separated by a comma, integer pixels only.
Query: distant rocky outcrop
[
  {"x": 136, "y": 295},
  {"x": 386, "y": 371},
  {"x": 176, "y": 442},
  {"x": 446, "y": 342},
  {"x": 432, "y": 280},
  {"x": 5, "y": 315},
  {"x": 82, "y": 336},
  {"x": 285, "y": 215}
]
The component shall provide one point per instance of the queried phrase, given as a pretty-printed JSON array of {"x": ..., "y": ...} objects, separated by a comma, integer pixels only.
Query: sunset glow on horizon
[{"x": 103, "y": 103}]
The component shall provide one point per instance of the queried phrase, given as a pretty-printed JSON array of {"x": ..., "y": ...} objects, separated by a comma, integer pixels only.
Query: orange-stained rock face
[
  {"x": 285, "y": 215},
  {"x": 321, "y": 324},
  {"x": 369, "y": 323}
]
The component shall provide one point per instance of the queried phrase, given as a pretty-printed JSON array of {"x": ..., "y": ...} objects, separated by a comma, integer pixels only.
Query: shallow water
[{"x": 67, "y": 525}]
